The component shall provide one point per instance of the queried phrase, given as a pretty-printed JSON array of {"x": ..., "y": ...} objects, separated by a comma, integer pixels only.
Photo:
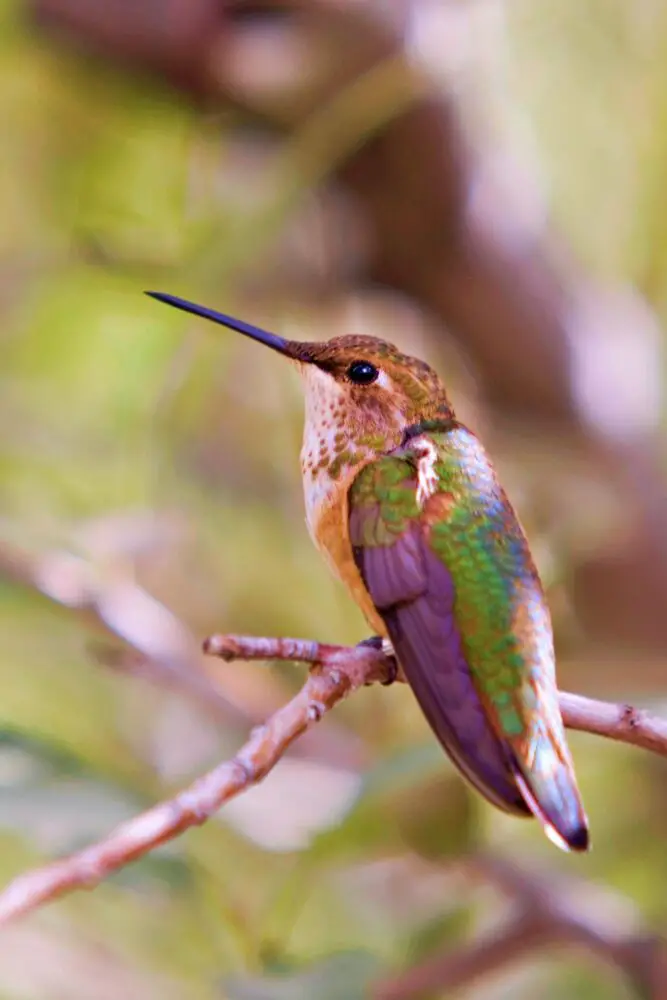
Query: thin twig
[
  {"x": 617, "y": 722},
  {"x": 335, "y": 672}
]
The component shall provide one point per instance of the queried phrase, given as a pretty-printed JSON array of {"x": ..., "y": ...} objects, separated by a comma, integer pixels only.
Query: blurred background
[{"x": 481, "y": 182}]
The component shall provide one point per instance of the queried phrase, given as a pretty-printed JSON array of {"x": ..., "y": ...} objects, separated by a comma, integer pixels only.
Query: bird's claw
[{"x": 385, "y": 647}]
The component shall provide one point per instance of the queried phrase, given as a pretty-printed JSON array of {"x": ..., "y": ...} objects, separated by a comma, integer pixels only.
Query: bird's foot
[{"x": 385, "y": 647}]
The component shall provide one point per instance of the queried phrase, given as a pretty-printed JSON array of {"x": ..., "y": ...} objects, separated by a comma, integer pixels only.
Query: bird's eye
[{"x": 362, "y": 373}]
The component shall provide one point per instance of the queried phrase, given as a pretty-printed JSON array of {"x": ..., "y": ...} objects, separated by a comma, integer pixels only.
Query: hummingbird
[{"x": 405, "y": 504}]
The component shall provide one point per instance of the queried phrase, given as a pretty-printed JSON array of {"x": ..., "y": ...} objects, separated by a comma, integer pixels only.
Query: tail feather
[{"x": 558, "y": 807}]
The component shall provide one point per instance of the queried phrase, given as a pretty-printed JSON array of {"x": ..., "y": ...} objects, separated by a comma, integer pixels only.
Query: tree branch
[
  {"x": 622, "y": 723},
  {"x": 335, "y": 672}
]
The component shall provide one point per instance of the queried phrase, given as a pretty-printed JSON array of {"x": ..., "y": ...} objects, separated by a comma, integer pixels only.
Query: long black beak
[{"x": 263, "y": 336}]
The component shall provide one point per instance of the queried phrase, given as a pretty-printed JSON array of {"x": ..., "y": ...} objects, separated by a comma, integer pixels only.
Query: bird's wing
[{"x": 414, "y": 594}]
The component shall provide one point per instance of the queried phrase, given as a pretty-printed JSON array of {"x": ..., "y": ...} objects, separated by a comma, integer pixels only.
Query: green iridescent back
[{"x": 500, "y": 606}]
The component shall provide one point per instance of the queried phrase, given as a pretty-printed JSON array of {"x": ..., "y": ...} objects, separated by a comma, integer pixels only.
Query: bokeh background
[{"x": 481, "y": 182}]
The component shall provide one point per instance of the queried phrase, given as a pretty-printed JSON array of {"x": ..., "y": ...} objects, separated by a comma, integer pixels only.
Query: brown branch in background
[
  {"x": 107, "y": 609},
  {"x": 548, "y": 915},
  {"x": 335, "y": 672},
  {"x": 447, "y": 971},
  {"x": 120, "y": 609}
]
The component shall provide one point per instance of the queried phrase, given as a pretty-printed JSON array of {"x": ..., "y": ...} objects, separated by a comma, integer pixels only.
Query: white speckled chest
[{"x": 323, "y": 440}]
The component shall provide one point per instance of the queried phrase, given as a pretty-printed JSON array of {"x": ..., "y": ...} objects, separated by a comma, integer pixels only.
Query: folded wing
[{"x": 414, "y": 594}]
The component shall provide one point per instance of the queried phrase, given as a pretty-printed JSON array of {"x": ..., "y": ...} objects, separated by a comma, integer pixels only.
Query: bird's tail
[{"x": 550, "y": 791}]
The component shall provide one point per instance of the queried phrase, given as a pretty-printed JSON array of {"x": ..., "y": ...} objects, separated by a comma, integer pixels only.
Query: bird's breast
[{"x": 327, "y": 516}]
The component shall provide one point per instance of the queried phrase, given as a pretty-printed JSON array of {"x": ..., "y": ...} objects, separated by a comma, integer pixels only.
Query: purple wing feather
[{"x": 414, "y": 594}]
